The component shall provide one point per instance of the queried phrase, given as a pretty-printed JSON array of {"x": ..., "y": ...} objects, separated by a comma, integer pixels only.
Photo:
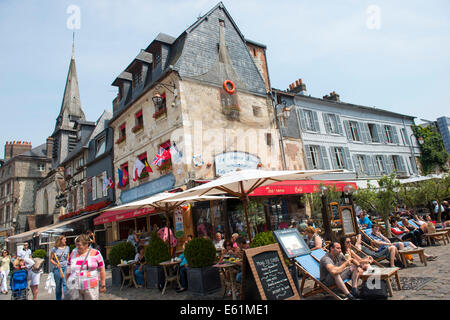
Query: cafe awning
[
  {"x": 21, "y": 237},
  {"x": 297, "y": 187},
  {"x": 124, "y": 214}
]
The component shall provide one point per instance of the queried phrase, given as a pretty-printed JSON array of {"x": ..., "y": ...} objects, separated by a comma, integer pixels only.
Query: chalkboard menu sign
[
  {"x": 348, "y": 221},
  {"x": 269, "y": 272},
  {"x": 334, "y": 209},
  {"x": 291, "y": 242}
]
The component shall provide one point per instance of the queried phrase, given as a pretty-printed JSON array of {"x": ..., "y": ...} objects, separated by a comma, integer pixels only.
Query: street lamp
[
  {"x": 157, "y": 99},
  {"x": 323, "y": 193},
  {"x": 348, "y": 191}
]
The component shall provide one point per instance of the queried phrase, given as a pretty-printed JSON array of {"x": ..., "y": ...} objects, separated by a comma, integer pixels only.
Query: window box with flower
[
  {"x": 137, "y": 128},
  {"x": 121, "y": 139},
  {"x": 165, "y": 167},
  {"x": 162, "y": 111}
]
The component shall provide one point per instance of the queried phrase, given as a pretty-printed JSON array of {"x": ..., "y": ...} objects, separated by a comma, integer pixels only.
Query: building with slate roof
[
  {"x": 23, "y": 168},
  {"x": 368, "y": 141},
  {"x": 216, "y": 126}
]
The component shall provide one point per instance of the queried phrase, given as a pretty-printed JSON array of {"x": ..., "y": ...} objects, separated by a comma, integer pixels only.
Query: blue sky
[{"x": 400, "y": 64}]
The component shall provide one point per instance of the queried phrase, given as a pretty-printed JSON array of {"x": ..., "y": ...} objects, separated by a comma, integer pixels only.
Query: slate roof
[
  {"x": 371, "y": 109},
  {"x": 193, "y": 54},
  {"x": 39, "y": 151}
]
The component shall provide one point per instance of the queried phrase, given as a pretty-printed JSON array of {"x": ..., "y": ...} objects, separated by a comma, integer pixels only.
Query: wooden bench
[{"x": 437, "y": 236}]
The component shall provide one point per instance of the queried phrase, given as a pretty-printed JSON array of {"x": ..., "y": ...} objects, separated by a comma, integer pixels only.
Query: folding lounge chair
[
  {"x": 440, "y": 234},
  {"x": 310, "y": 269}
]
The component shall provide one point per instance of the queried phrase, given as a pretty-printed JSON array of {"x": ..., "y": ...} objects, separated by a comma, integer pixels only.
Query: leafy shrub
[
  {"x": 124, "y": 250},
  {"x": 157, "y": 251},
  {"x": 200, "y": 252},
  {"x": 40, "y": 253},
  {"x": 263, "y": 239}
]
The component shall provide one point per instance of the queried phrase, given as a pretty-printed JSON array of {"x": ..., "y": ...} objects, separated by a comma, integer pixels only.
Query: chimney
[
  {"x": 49, "y": 147},
  {"x": 298, "y": 87},
  {"x": 15, "y": 148},
  {"x": 332, "y": 97}
]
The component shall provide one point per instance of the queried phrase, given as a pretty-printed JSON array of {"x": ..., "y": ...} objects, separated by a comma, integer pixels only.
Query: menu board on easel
[
  {"x": 265, "y": 275},
  {"x": 348, "y": 220},
  {"x": 335, "y": 212}
]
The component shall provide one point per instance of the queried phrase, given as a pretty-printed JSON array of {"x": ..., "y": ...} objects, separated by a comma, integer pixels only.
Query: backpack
[
  {"x": 380, "y": 293},
  {"x": 38, "y": 264}
]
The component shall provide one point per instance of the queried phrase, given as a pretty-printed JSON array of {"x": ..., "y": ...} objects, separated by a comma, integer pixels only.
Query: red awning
[
  {"x": 297, "y": 187},
  {"x": 119, "y": 215}
]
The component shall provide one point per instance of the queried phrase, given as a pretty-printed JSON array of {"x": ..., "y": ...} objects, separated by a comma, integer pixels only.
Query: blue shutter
[
  {"x": 357, "y": 167},
  {"x": 347, "y": 130},
  {"x": 402, "y": 164},
  {"x": 316, "y": 121},
  {"x": 363, "y": 132},
  {"x": 324, "y": 158},
  {"x": 333, "y": 158},
  {"x": 375, "y": 166},
  {"x": 309, "y": 157},
  {"x": 339, "y": 126},
  {"x": 326, "y": 120},
  {"x": 301, "y": 116},
  {"x": 380, "y": 133},
  {"x": 389, "y": 164},
  {"x": 348, "y": 159},
  {"x": 394, "y": 135},
  {"x": 369, "y": 165}
]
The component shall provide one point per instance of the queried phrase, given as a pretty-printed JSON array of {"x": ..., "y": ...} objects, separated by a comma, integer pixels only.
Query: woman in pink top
[{"x": 91, "y": 273}]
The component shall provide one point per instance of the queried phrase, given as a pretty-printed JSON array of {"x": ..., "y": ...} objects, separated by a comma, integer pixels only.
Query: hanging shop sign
[
  {"x": 348, "y": 220},
  {"x": 230, "y": 161},
  {"x": 179, "y": 223}
]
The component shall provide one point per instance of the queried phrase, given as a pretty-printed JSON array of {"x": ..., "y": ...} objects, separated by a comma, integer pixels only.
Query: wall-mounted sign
[
  {"x": 179, "y": 223},
  {"x": 334, "y": 209},
  {"x": 230, "y": 161},
  {"x": 348, "y": 220}
]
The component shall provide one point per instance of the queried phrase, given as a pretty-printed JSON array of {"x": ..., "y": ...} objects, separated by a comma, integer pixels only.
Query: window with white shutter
[
  {"x": 324, "y": 158},
  {"x": 353, "y": 125}
]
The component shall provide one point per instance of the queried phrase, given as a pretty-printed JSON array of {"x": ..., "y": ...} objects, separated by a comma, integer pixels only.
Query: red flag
[
  {"x": 111, "y": 183},
  {"x": 147, "y": 167},
  {"x": 125, "y": 177}
]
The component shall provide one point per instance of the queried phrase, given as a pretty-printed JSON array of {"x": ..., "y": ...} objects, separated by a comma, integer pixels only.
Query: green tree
[
  {"x": 433, "y": 154},
  {"x": 381, "y": 200}
]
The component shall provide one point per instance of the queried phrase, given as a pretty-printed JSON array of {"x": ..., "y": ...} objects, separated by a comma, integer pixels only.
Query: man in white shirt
[{"x": 25, "y": 252}]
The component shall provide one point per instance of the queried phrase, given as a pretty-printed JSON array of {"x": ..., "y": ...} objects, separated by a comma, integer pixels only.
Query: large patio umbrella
[
  {"x": 158, "y": 202},
  {"x": 243, "y": 182}
]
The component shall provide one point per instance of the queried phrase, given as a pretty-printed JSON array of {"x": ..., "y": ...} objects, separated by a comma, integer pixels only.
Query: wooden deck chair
[
  {"x": 311, "y": 270},
  {"x": 440, "y": 234},
  {"x": 364, "y": 255},
  {"x": 318, "y": 254}
]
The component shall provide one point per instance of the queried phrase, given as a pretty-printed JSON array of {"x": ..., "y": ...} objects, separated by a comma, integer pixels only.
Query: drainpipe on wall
[{"x": 279, "y": 129}]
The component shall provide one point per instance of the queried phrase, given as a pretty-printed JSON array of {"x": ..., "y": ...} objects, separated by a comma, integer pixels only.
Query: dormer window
[{"x": 137, "y": 75}]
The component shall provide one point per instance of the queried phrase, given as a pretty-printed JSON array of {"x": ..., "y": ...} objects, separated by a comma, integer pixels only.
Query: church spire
[{"x": 71, "y": 104}]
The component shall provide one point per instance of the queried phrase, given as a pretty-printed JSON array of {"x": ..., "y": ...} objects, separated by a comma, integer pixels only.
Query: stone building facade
[{"x": 22, "y": 170}]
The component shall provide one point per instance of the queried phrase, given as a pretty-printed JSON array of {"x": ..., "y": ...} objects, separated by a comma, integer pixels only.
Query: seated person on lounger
[
  {"x": 346, "y": 247},
  {"x": 334, "y": 269},
  {"x": 382, "y": 241},
  {"x": 385, "y": 249},
  {"x": 364, "y": 220},
  {"x": 313, "y": 240},
  {"x": 418, "y": 232},
  {"x": 401, "y": 231}
]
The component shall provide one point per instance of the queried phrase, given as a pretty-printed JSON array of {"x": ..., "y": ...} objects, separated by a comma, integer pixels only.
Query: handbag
[
  {"x": 378, "y": 293},
  {"x": 72, "y": 292}
]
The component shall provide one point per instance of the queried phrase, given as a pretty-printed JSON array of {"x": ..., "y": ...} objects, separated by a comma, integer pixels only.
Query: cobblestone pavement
[{"x": 437, "y": 289}]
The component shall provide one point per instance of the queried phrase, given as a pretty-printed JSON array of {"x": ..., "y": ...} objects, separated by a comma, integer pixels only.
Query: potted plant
[
  {"x": 155, "y": 253},
  {"x": 202, "y": 278},
  {"x": 41, "y": 253},
  {"x": 122, "y": 251}
]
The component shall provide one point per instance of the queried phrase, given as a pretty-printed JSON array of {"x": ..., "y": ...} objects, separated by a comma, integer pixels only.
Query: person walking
[
  {"x": 88, "y": 266},
  {"x": 34, "y": 276},
  {"x": 58, "y": 257},
  {"x": 25, "y": 252},
  {"x": 5, "y": 260}
]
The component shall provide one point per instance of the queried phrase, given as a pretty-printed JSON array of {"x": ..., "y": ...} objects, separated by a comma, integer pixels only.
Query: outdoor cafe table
[
  {"x": 384, "y": 274},
  {"x": 228, "y": 271},
  {"x": 171, "y": 273},
  {"x": 130, "y": 277}
]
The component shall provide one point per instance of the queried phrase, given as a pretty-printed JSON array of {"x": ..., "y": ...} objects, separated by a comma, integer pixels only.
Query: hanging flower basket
[{"x": 165, "y": 167}]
